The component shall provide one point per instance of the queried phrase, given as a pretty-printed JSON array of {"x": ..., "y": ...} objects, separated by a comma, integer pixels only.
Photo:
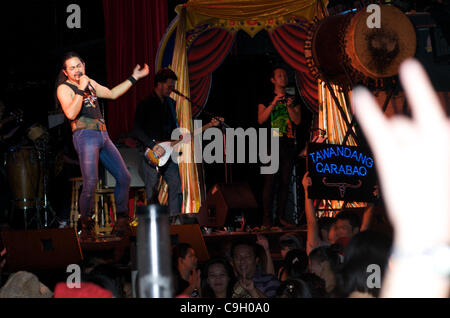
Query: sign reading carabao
[{"x": 340, "y": 172}]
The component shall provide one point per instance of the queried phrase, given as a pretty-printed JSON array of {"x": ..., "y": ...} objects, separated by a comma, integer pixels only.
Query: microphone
[
  {"x": 180, "y": 94},
  {"x": 209, "y": 114}
]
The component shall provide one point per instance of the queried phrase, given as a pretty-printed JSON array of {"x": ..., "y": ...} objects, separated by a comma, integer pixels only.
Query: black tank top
[{"x": 91, "y": 107}]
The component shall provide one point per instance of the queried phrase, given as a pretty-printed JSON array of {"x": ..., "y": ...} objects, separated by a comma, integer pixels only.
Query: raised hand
[
  {"x": 139, "y": 72},
  {"x": 247, "y": 284},
  {"x": 306, "y": 181},
  {"x": 262, "y": 240},
  {"x": 194, "y": 279},
  {"x": 413, "y": 156}
]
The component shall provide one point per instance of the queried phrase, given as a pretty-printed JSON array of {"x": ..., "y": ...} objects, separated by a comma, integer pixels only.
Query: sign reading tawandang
[{"x": 340, "y": 172}]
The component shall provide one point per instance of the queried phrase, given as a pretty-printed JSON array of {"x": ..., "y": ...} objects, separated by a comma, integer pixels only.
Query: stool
[
  {"x": 74, "y": 208},
  {"x": 103, "y": 220}
]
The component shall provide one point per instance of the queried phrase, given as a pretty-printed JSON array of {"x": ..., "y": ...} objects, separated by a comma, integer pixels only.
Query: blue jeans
[{"x": 90, "y": 146}]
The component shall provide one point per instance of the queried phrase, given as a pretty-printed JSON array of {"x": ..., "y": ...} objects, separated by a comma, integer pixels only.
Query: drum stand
[{"x": 49, "y": 215}]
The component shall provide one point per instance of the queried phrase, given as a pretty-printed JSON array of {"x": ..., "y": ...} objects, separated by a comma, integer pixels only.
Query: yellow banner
[{"x": 250, "y": 16}]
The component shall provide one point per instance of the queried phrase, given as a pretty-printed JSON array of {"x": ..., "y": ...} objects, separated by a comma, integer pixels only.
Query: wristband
[
  {"x": 132, "y": 80},
  {"x": 79, "y": 92}
]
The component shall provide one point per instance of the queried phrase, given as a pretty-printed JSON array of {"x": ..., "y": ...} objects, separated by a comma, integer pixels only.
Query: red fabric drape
[
  {"x": 133, "y": 30},
  {"x": 205, "y": 55},
  {"x": 289, "y": 41}
]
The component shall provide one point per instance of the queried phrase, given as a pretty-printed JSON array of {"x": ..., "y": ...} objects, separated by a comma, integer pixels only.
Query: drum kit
[{"x": 27, "y": 172}]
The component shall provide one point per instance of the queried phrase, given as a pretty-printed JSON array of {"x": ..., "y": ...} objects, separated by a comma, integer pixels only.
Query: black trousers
[
  {"x": 171, "y": 175},
  {"x": 287, "y": 155}
]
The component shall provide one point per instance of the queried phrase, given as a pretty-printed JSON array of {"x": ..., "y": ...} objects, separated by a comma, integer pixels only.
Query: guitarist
[{"x": 154, "y": 121}]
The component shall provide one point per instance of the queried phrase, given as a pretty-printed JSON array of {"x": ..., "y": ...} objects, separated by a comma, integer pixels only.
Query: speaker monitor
[
  {"x": 222, "y": 200},
  {"x": 45, "y": 249},
  {"x": 132, "y": 158}
]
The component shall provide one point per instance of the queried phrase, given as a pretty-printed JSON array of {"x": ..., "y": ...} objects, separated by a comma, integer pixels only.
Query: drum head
[
  {"x": 35, "y": 132},
  {"x": 378, "y": 52}
]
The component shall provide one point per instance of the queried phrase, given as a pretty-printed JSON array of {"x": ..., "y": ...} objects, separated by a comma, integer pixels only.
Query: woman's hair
[
  {"x": 290, "y": 241},
  {"x": 295, "y": 263},
  {"x": 106, "y": 277},
  {"x": 207, "y": 291},
  {"x": 327, "y": 253},
  {"x": 365, "y": 248}
]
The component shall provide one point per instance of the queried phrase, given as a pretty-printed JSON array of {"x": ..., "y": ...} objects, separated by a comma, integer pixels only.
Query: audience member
[
  {"x": 324, "y": 262},
  {"x": 289, "y": 242},
  {"x": 252, "y": 282},
  {"x": 327, "y": 229},
  {"x": 186, "y": 276},
  {"x": 294, "y": 265},
  {"x": 86, "y": 290},
  {"x": 107, "y": 277},
  {"x": 294, "y": 288},
  {"x": 24, "y": 285},
  {"x": 346, "y": 223},
  {"x": 264, "y": 254},
  {"x": 365, "y": 250},
  {"x": 217, "y": 279},
  {"x": 316, "y": 285},
  {"x": 419, "y": 264}
]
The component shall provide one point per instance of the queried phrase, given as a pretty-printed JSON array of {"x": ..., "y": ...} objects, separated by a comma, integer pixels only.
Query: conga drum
[
  {"x": 24, "y": 172},
  {"x": 345, "y": 49},
  {"x": 36, "y": 132}
]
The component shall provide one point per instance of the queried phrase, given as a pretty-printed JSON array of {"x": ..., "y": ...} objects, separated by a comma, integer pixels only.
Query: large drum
[
  {"x": 345, "y": 49},
  {"x": 23, "y": 169},
  {"x": 36, "y": 132}
]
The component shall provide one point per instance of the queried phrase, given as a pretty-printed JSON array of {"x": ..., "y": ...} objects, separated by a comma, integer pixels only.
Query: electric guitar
[{"x": 169, "y": 146}]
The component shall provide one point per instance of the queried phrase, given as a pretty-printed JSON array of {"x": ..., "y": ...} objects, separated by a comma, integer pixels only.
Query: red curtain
[
  {"x": 205, "y": 55},
  {"x": 133, "y": 30},
  {"x": 289, "y": 41}
]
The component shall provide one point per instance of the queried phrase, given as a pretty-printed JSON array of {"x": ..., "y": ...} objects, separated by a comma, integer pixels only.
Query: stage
[{"x": 55, "y": 249}]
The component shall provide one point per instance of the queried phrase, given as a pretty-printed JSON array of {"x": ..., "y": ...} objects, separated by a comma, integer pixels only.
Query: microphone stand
[{"x": 223, "y": 126}]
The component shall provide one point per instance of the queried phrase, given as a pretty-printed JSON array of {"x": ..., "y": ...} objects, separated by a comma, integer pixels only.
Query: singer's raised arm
[{"x": 122, "y": 88}]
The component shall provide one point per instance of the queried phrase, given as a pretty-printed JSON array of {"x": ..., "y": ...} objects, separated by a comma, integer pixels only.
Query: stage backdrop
[
  {"x": 133, "y": 31},
  {"x": 199, "y": 39},
  {"x": 207, "y": 28}
]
